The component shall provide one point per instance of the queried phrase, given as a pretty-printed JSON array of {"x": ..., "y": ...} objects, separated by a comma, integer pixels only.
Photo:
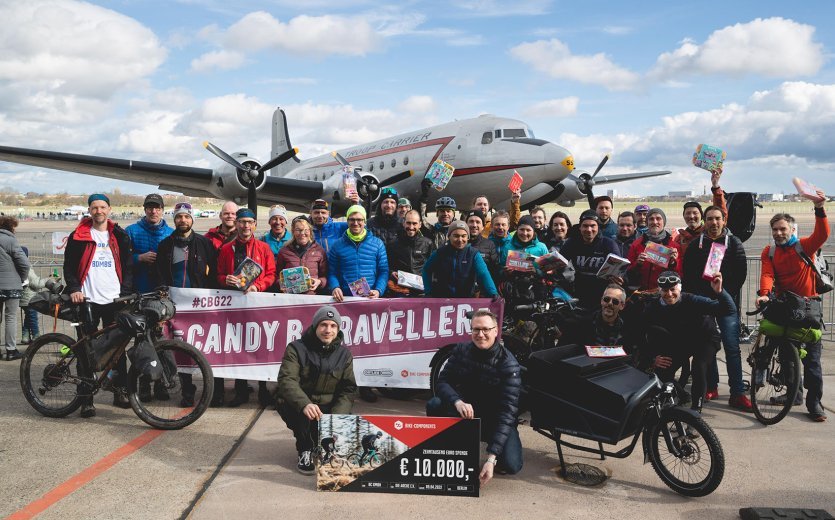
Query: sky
[{"x": 151, "y": 80}]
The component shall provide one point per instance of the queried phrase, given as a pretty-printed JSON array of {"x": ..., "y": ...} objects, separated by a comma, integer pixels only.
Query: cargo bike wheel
[
  {"x": 183, "y": 392},
  {"x": 685, "y": 452},
  {"x": 49, "y": 375}
]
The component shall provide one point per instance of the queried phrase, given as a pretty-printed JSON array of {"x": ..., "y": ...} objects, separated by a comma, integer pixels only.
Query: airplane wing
[
  {"x": 196, "y": 182},
  {"x": 608, "y": 179}
]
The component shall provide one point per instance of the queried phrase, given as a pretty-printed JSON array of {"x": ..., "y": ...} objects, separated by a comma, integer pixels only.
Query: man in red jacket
[
  {"x": 225, "y": 231},
  {"x": 785, "y": 270},
  {"x": 231, "y": 256},
  {"x": 643, "y": 272}
]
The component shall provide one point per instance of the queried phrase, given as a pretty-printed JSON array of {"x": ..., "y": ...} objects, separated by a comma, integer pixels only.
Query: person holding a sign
[
  {"x": 482, "y": 379},
  {"x": 602, "y": 327},
  {"x": 783, "y": 269},
  {"x": 716, "y": 250},
  {"x": 679, "y": 326},
  {"x": 587, "y": 254},
  {"x": 246, "y": 264},
  {"x": 385, "y": 224},
  {"x": 302, "y": 251},
  {"x": 453, "y": 270},
  {"x": 326, "y": 231},
  {"x": 481, "y": 203},
  {"x": 653, "y": 253},
  {"x": 407, "y": 254},
  {"x": 357, "y": 262},
  {"x": 316, "y": 378}
]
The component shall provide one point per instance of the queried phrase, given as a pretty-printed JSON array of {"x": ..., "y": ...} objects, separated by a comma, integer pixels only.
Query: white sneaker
[{"x": 305, "y": 465}]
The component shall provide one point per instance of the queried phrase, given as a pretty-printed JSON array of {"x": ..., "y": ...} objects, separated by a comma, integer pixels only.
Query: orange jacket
[{"x": 788, "y": 272}]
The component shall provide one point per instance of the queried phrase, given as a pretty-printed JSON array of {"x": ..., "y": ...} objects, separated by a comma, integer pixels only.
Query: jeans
[
  {"x": 30, "y": 323},
  {"x": 509, "y": 461},
  {"x": 729, "y": 332},
  {"x": 9, "y": 308}
]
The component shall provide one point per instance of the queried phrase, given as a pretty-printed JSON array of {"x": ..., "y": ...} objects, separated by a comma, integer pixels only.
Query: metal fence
[{"x": 44, "y": 263}]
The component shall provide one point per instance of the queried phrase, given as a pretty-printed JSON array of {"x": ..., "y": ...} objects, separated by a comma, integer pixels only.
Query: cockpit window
[
  {"x": 498, "y": 134},
  {"x": 510, "y": 133},
  {"x": 487, "y": 138}
]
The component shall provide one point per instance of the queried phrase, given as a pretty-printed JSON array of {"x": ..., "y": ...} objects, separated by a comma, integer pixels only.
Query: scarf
[
  {"x": 181, "y": 241},
  {"x": 790, "y": 242},
  {"x": 356, "y": 238},
  {"x": 660, "y": 237},
  {"x": 301, "y": 249}
]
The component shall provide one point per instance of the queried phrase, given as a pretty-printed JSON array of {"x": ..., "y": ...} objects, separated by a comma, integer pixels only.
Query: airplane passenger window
[
  {"x": 382, "y": 165},
  {"x": 371, "y": 167},
  {"x": 393, "y": 163},
  {"x": 405, "y": 160},
  {"x": 487, "y": 138},
  {"x": 514, "y": 132}
]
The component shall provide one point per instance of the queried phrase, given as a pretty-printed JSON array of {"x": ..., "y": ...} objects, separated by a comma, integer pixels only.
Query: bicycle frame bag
[
  {"x": 144, "y": 357},
  {"x": 106, "y": 345},
  {"x": 807, "y": 335},
  {"x": 792, "y": 310}
]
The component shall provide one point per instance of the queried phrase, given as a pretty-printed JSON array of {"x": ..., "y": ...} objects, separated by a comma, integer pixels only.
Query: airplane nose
[{"x": 559, "y": 162}]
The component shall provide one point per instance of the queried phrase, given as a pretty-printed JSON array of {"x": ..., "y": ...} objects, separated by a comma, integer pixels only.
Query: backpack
[{"x": 824, "y": 281}]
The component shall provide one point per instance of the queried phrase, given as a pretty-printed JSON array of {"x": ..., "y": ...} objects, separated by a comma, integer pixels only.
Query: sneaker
[
  {"x": 781, "y": 399},
  {"x": 740, "y": 402},
  {"x": 160, "y": 392},
  {"x": 305, "y": 465},
  {"x": 13, "y": 355},
  {"x": 816, "y": 413},
  {"x": 144, "y": 391},
  {"x": 265, "y": 398},
  {"x": 712, "y": 394},
  {"x": 88, "y": 410},
  {"x": 120, "y": 398}
]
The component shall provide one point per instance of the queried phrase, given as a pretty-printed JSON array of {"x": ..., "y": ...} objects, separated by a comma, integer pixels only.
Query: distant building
[
  {"x": 612, "y": 194},
  {"x": 771, "y": 197},
  {"x": 682, "y": 194}
]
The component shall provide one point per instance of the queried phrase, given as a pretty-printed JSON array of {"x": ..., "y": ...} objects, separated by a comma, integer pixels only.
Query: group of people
[{"x": 680, "y": 327}]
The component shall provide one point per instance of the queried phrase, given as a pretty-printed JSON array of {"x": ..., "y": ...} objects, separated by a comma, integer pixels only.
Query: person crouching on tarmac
[
  {"x": 316, "y": 377},
  {"x": 482, "y": 379}
]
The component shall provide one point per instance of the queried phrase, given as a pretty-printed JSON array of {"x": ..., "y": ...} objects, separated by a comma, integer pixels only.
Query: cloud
[
  {"x": 773, "y": 47},
  {"x": 64, "y": 50},
  {"x": 554, "y": 58},
  {"x": 418, "y": 104},
  {"x": 218, "y": 60},
  {"x": 562, "y": 107},
  {"x": 303, "y": 35},
  {"x": 617, "y": 30}
]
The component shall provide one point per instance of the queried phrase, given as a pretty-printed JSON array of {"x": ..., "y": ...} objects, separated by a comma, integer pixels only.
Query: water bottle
[{"x": 65, "y": 351}]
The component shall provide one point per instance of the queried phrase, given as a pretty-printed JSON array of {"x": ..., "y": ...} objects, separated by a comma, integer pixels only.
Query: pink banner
[{"x": 392, "y": 340}]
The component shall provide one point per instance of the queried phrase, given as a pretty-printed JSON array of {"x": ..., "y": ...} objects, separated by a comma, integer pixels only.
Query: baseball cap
[
  {"x": 319, "y": 204},
  {"x": 404, "y": 202},
  {"x": 153, "y": 198},
  {"x": 641, "y": 208}
]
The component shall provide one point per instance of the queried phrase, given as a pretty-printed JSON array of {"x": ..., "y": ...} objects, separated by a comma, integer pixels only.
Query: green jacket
[{"x": 310, "y": 373}]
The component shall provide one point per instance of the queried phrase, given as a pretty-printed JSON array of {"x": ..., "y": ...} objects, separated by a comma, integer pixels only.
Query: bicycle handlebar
[{"x": 141, "y": 296}]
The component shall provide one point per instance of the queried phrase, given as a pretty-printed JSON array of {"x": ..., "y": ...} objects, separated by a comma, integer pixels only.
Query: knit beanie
[
  {"x": 660, "y": 212},
  {"x": 356, "y": 208},
  {"x": 326, "y": 312},
  {"x": 456, "y": 225}
]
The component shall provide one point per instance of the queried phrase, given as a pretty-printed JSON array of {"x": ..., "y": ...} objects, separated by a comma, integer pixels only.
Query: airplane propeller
[
  {"x": 250, "y": 173},
  {"x": 368, "y": 187},
  {"x": 585, "y": 182}
]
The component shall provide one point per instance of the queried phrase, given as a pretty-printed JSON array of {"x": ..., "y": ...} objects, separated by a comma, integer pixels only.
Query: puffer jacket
[
  {"x": 313, "y": 373},
  {"x": 450, "y": 273},
  {"x": 490, "y": 380},
  {"x": 385, "y": 227},
  {"x": 314, "y": 258},
  {"x": 256, "y": 250},
  {"x": 35, "y": 285},
  {"x": 330, "y": 232},
  {"x": 146, "y": 237},
  {"x": 348, "y": 261},
  {"x": 14, "y": 266},
  {"x": 533, "y": 248},
  {"x": 487, "y": 249}
]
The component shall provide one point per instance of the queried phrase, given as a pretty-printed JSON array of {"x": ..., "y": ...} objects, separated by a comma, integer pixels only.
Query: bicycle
[
  {"x": 334, "y": 460},
  {"x": 374, "y": 459},
  {"x": 774, "y": 358},
  {"x": 57, "y": 372}
]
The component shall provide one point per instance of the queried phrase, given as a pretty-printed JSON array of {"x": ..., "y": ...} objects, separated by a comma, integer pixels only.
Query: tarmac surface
[{"x": 71, "y": 468}]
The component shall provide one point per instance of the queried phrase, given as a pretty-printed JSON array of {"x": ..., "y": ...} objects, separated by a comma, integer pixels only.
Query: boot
[
  {"x": 241, "y": 394},
  {"x": 88, "y": 410},
  {"x": 120, "y": 398},
  {"x": 217, "y": 394},
  {"x": 13, "y": 354},
  {"x": 265, "y": 398}
]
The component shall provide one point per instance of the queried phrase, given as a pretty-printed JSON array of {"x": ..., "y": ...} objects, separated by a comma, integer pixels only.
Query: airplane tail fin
[{"x": 281, "y": 143}]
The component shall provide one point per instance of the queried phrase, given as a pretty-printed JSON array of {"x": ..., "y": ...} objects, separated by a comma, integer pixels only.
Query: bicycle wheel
[
  {"x": 691, "y": 466},
  {"x": 183, "y": 392},
  {"x": 436, "y": 372},
  {"x": 353, "y": 460},
  {"x": 775, "y": 379},
  {"x": 336, "y": 461},
  {"x": 50, "y": 379},
  {"x": 376, "y": 460}
]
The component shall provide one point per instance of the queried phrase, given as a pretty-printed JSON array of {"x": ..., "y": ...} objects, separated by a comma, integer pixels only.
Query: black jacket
[
  {"x": 487, "y": 249},
  {"x": 587, "y": 259},
  {"x": 201, "y": 263},
  {"x": 385, "y": 227},
  {"x": 734, "y": 266},
  {"x": 590, "y": 329},
  {"x": 409, "y": 253},
  {"x": 79, "y": 253},
  {"x": 490, "y": 380},
  {"x": 625, "y": 243}
]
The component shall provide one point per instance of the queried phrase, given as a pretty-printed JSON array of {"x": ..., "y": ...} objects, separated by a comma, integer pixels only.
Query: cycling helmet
[
  {"x": 445, "y": 202},
  {"x": 335, "y": 436},
  {"x": 379, "y": 433}
]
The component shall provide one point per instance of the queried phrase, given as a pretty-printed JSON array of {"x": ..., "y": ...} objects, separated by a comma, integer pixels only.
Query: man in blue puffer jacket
[
  {"x": 325, "y": 230},
  {"x": 357, "y": 254},
  {"x": 146, "y": 234}
]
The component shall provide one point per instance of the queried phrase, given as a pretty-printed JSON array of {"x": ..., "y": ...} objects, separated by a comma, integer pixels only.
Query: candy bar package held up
[{"x": 708, "y": 157}]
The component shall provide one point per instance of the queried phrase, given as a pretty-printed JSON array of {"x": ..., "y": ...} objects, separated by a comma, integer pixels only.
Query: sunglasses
[
  {"x": 669, "y": 280},
  {"x": 387, "y": 191},
  {"x": 182, "y": 205},
  {"x": 614, "y": 301}
]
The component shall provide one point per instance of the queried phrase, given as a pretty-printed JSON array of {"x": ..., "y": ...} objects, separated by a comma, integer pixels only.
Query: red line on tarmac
[{"x": 86, "y": 475}]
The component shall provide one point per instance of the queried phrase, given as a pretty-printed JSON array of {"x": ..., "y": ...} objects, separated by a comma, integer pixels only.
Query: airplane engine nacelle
[
  {"x": 569, "y": 193},
  {"x": 230, "y": 183}
]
